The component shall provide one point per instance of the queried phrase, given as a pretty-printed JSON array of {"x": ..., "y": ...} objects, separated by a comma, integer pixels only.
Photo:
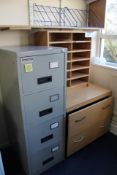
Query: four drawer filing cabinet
[{"x": 33, "y": 87}]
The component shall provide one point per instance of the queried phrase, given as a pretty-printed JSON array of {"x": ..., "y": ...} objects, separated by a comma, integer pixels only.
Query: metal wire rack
[{"x": 63, "y": 17}]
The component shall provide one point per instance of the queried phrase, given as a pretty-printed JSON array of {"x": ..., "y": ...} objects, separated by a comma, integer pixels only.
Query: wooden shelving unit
[{"x": 79, "y": 49}]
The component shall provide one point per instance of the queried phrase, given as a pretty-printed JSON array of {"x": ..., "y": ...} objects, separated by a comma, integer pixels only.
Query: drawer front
[
  {"x": 87, "y": 117},
  {"x": 44, "y": 135},
  {"x": 83, "y": 138},
  {"x": 47, "y": 157},
  {"x": 41, "y": 107},
  {"x": 42, "y": 72},
  {"x": 106, "y": 114}
]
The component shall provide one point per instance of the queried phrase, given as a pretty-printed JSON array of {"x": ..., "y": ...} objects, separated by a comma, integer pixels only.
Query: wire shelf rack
[{"x": 63, "y": 17}]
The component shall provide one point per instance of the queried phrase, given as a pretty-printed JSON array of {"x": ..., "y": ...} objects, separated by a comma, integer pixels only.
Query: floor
[{"x": 98, "y": 158}]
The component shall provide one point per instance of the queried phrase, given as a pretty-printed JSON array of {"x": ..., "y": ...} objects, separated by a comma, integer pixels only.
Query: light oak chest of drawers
[{"x": 90, "y": 118}]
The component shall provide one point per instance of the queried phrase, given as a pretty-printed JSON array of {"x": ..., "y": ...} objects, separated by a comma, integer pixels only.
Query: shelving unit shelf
[{"x": 79, "y": 51}]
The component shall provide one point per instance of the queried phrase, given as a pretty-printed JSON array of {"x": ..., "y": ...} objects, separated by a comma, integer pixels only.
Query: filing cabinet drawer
[
  {"x": 47, "y": 157},
  {"x": 41, "y": 107},
  {"x": 42, "y": 72},
  {"x": 41, "y": 136},
  {"x": 99, "y": 113}
]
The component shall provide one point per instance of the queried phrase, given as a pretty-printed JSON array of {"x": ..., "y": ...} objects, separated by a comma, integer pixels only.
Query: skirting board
[{"x": 113, "y": 129}]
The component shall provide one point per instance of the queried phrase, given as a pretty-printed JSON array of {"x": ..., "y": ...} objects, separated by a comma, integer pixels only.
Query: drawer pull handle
[
  {"x": 76, "y": 121},
  {"x": 79, "y": 140},
  {"x": 45, "y": 112},
  {"x": 47, "y": 160},
  {"x": 108, "y": 106},
  {"x": 44, "y": 80},
  {"x": 47, "y": 138},
  {"x": 101, "y": 126}
]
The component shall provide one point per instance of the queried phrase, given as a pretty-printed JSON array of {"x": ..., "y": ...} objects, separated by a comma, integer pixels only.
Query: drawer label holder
[
  {"x": 54, "y": 97},
  {"x": 54, "y": 149},
  {"x": 54, "y": 125},
  {"x": 53, "y": 65}
]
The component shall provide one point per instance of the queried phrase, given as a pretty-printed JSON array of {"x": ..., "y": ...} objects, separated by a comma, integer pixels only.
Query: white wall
[
  {"x": 65, "y": 3},
  {"x": 80, "y": 4},
  {"x": 107, "y": 77},
  {"x": 9, "y": 38},
  {"x": 14, "y": 12}
]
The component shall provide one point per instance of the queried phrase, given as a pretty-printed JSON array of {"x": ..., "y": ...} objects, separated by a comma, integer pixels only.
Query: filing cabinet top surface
[
  {"x": 80, "y": 96},
  {"x": 23, "y": 51}
]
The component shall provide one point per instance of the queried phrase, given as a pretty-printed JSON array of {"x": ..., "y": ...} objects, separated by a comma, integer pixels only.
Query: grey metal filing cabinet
[{"x": 33, "y": 82}]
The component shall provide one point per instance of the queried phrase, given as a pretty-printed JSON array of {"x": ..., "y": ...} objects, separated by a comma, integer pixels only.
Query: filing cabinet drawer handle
[
  {"x": 43, "y": 80},
  {"x": 47, "y": 138},
  {"x": 108, "y": 106},
  {"x": 45, "y": 112},
  {"x": 48, "y": 160},
  {"x": 79, "y": 140},
  {"x": 76, "y": 121}
]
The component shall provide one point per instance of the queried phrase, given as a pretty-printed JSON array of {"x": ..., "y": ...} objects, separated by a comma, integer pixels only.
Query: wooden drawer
[
  {"x": 105, "y": 114},
  {"x": 86, "y": 125},
  {"x": 99, "y": 113},
  {"x": 80, "y": 140},
  {"x": 83, "y": 138}
]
